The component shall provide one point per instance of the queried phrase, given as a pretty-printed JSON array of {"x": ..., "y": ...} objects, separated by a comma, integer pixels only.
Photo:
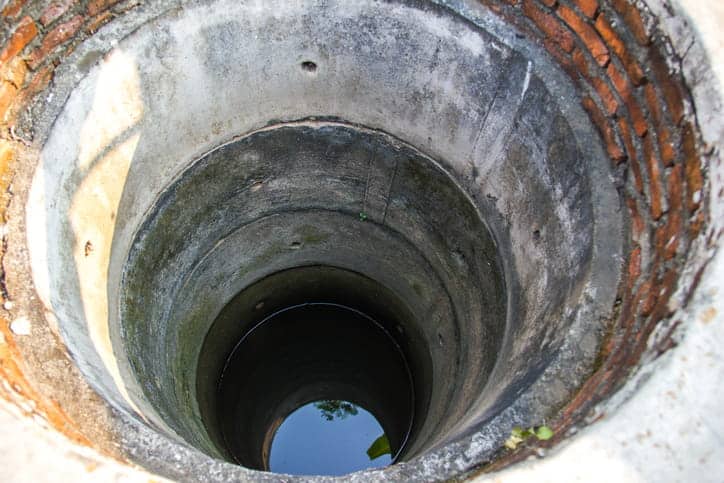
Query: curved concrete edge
[
  {"x": 663, "y": 426},
  {"x": 670, "y": 428},
  {"x": 666, "y": 424},
  {"x": 40, "y": 454}
]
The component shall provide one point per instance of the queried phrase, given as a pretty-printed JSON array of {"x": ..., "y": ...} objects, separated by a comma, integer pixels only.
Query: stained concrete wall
[{"x": 701, "y": 308}]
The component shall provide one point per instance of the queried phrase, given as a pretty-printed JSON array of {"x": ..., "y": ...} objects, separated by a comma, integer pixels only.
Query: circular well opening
[
  {"x": 457, "y": 215},
  {"x": 304, "y": 346}
]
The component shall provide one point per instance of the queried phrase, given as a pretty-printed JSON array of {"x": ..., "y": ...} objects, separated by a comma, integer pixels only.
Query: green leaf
[
  {"x": 518, "y": 432},
  {"x": 362, "y": 216},
  {"x": 543, "y": 433},
  {"x": 379, "y": 447}
]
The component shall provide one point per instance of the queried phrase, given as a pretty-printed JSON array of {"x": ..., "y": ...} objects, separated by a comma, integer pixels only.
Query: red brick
[
  {"x": 625, "y": 131},
  {"x": 604, "y": 128},
  {"x": 625, "y": 90},
  {"x": 663, "y": 133},
  {"x": 54, "y": 11},
  {"x": 14, "y": 71},
  {"x": 579, "y": 60},
  {"x": 633, "y": 20},
  {"x": 97, "y": 6},
  {"x": 13, "y": 8},
  {"x": 634, "y": 264},
  {"x": 7, "y": 97},
  {"x": 98, "y": 22},
  {"x": 675, "y": 188},
  {"x": 667, "y": 83},
  {"x": 653, "y": 103},
  {"x": 54, "y": 38},
  {"x": 549, "y": 25},
  {"x": 637, "y": 223},
  {"x": 587, "y": 34},
  {"x": 38, "y": 82},
  {"x": 666, "y": 288},
  {"x": 648, "y": 294},
  {"x": 24, "y": 33},
  {"x": 668, "y": 236},
  {"x": 692, "y": 167},
  {"x": 666, "y": 147},
  {"x": 614, "y": 42},
  {"x": 654, "y": 171},
  {"x": 607, "y": 97},
  {"x": 588, "y": 7}
]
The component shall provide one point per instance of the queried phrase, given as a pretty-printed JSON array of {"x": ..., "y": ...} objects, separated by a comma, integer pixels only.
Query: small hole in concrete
[
  {"x": 309, "y": 66},
  {"x": 295, "y": 245}
]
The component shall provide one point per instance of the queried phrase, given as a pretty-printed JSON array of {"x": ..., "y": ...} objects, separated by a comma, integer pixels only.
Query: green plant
[
  {"x": 362, "y": 216},
  {"x": 518, "y": 435}
]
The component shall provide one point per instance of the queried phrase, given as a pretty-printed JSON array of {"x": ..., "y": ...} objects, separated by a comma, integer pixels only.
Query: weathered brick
[
  {"x": 14, "y": 71},
  {"x": 675, "y": 188},
  {"x": 667, "y": 83},
  {"x": 588, "y": 7},
  {"x": 38, "y": 82},
  {"x": 654, "y": 172},
  {"x": 7, "y": 97},
  {"x": 548, "y": 3},
  {"x": 604, "y": 128},
  {"x": 97, "y": 6},
  {"x": 666, "y": 146},
  {"x": 692, "y": 167},
  {"x": 54, "y": 38},
  {"x": 663, "y": 133},
  {"x": 13, "y": 8},
  {"x": 7, "y": 158},
  {"x": 618, "y": 47},
  {"x": 664, "y": 289},
  {"x": 24, "y": 33},
  {"x": 633, "y": 20},
  {"x": 588, "y": 35},
  {"x": 653, "y": 103},
  {"x": 604, "y": 92},
  {"x": 625, "y": 131},
  {"x": 647, "y": 294},
  {"x": 54, "y": 11},
  {"x": 637, "y": 222},
  {"x": 634, "y": 264},
  {"x": 98, "y": 22},
  {"x": 550, "y": 25},
  {"x": 625, "y": 90},
  {"x": 666, "y": 237},
  {"x": 579, "y": 60}
]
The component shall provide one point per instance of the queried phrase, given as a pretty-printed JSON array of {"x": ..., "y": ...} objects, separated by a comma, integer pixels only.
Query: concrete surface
[{"x": 664, "y": 425}]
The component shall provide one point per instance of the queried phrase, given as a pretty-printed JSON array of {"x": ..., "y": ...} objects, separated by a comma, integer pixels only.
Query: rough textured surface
[
  {"x": 668, "y": 196},
  {"x": 529, "y": 178}
]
